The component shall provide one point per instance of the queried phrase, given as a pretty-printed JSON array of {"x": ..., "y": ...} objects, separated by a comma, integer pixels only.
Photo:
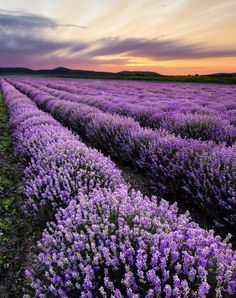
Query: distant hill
[
  {"x": 55, "y": 71},
  {"x": 70, "y": 72},
  {"x": 221, "y": 78},
  {"x": 15, "y": 70}
]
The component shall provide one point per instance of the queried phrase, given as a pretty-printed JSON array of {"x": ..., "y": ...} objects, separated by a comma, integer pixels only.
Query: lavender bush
[
  {"x": 201, "y": 173},
  {"x": 116, "y": 245},
  {"x": 186, "y": 116},
  {"x": 107, "y": 241},
  {"x": 58, "y": 165}
]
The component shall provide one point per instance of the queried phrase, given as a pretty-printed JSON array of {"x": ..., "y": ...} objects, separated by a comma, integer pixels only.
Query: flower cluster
[
  {"x": 57, "y": 164},
  {"x": 199, "y": 172},
  {"x": 120, "y": 245}
]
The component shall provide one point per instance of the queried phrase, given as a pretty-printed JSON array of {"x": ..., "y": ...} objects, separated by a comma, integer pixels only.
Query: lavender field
[{"x": 102, "y": 236}]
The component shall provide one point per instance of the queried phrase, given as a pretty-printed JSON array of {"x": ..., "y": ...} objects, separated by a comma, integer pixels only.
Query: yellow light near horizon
[
  {"x": 110, "y": 57},
  {"x": 171, "y": 67}
]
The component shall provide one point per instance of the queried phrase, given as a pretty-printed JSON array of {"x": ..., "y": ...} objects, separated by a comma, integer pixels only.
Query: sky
[{"x": 165, "y": 36}]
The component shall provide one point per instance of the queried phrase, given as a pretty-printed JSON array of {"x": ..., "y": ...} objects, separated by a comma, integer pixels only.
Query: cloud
[
  {"x": 72, "y": 25},
  {"x": 157, "y": 49},
  {"x": 23, "y": 20},
  {"x": 23, "y": 39}
]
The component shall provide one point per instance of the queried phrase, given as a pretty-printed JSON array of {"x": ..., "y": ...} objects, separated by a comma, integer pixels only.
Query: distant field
[
  {"x": 183, "y": 79},
  {"x": 205, "y": 112},
  {"x": 221, "y": 79},
  {"x": 109, "y": 169}
]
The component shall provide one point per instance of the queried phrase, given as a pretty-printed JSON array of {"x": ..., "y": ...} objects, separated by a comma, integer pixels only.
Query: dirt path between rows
[{"x": 17, "y": 233}]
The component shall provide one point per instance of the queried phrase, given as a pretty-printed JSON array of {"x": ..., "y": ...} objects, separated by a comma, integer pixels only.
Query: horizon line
[{"x": 112, "y": 72}]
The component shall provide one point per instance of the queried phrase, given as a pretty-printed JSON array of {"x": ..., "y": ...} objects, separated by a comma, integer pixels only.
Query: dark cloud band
[
  {"x": 23, "y": 20},
  {"x": 157, "y": 49},
  {"x": 23, "y": 39}
]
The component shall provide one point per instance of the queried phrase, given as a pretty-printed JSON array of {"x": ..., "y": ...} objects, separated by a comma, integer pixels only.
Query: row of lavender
[
  {"x": 189, "y": 98},
  {"x": 201, "y": 173},
  {"x": 104, "y": 241},
  {"x": 57, "y": 163},
  {"x": 197, "y": 118}
]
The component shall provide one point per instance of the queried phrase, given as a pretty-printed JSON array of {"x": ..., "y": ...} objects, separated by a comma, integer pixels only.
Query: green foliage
[
  {"x": 16, "y": 232},
  {"x": 181, "y": 79},
  {"x": 8, "y": 186},
  {"x": 221, "y": 79}
]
